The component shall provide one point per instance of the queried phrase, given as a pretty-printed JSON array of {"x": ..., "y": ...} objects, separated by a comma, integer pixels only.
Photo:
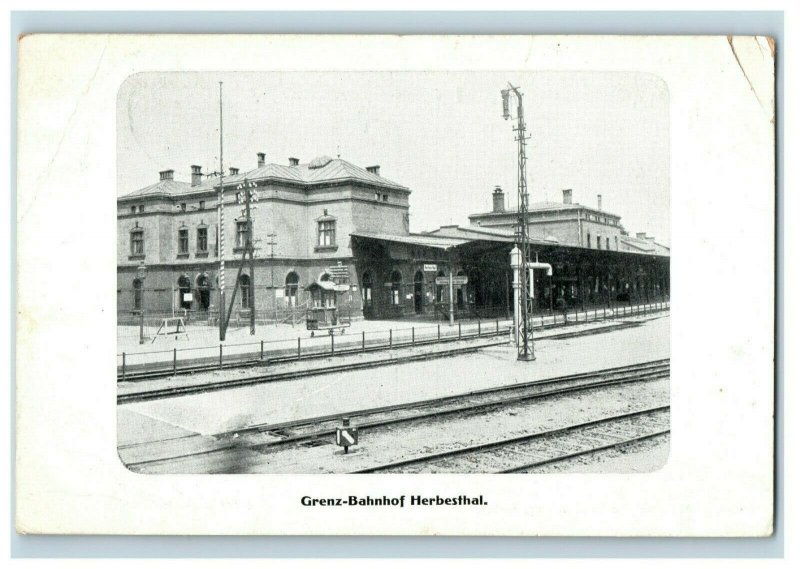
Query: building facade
[
  {"x": 329, "y": 233},
  {"x": 568, "y": 223},
  {"x": 302, "y": 222}
]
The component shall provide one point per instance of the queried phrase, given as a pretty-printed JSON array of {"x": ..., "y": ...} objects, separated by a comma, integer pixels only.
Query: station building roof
[
  {"x": 421, "y": 240},
  {"x": 646, "y": 245},
  {"x": 321, "y": 170},
  {"x": 540, "y": 207}
]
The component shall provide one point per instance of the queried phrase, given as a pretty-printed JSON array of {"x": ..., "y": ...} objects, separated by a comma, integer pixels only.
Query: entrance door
[
  {"x": 418, "y": 286},
  {"x": 185, "y": 292},
  {"x": 204, "y": 292}
]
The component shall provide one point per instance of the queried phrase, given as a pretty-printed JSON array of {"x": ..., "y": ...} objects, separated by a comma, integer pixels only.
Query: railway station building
[{"x": 328, "y": 232}]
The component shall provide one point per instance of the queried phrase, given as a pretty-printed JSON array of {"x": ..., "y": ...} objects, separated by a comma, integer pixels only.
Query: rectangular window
[
  {"x": 141, "y": 209},
  {"x": 133, "y": 209},
  {"x": 589, "y": 240},
  {"x": 616, "y": 243},
  {"x": 137, "y": 242},
  {"x": 327, "y": 233},
  {"x": 241, "y": 234},
  {"x": 202, "y": 239},
  {"x": 598, "y": 242},
  {"x": 396, "y": 297},
  {"x": 202, "y": 205},
  {"x": 183, "y": 207},
  {"x": 386, "y": 197},
  {"x": 183, "y": 241},
  {"x": 608, "y": 243}
]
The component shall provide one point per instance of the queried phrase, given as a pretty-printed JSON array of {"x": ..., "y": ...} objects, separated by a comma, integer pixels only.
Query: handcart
[{"x": 326, "y": 318}]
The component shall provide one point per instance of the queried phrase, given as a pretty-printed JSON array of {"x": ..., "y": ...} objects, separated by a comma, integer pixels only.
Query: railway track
[
  {"x": 177, "y": 391},
  {"x": 320, "y": 430},
  {"x": 290, "y": 355},
  {"x": 522, "y": 453}
]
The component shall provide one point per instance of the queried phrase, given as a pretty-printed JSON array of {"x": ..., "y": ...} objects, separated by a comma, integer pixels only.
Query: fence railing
[{"x": 132, "y": 364}]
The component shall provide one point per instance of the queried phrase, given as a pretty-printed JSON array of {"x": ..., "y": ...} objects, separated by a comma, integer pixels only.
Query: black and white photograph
[
  {"x": 393, "y": 272},
  {"x": 528, "y": 278}
]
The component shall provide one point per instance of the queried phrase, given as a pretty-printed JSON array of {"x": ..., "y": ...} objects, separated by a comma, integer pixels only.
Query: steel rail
[
  {"x": 505, "y": 442},
  {"x": 289, "y": 375},
  {"x": 630, "y": 374},
  {"x": 592, "y": 450},
  {"x": 353, "y": 348}
]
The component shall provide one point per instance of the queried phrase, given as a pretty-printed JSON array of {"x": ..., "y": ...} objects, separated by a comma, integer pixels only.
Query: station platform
[
  {"x": 201, "y": 343},
  {"x": 208, "y": 413}
]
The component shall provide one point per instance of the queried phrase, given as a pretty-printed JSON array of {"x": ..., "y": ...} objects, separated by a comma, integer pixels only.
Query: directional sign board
[
  {"x": 346, "y": 436},
  {"x": 429, "y": 268},
  {"x": 457, "y": 281}
]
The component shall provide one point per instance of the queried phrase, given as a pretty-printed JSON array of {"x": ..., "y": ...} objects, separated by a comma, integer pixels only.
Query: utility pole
[
  {"x": 272, "y": 244},
  {"x": 221, "y": 228},
  {"x": 525, "y": 329},
  {"x": 252, "y": 261},
  {"x": 246, "y": 195}
]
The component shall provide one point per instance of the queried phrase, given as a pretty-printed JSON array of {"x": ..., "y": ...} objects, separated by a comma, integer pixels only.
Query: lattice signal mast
[{"x": 525, "y": 346}]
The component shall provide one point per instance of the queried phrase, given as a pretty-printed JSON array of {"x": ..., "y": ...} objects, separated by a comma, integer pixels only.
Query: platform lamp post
[
  {"x": 524, "y": 325},
  {"x": 141, "y": 271}
]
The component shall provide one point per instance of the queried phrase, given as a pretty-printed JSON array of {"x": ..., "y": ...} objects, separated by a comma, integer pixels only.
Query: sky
[{"x": 441, "y": 134}]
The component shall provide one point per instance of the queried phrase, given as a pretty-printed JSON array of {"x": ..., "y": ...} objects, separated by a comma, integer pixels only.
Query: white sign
[
  {"x": 457, "y": 281},
  {"x": 279, "y": 293},
  {"x": 429, "y": 268},
  {"x": 187, "y": 297}
]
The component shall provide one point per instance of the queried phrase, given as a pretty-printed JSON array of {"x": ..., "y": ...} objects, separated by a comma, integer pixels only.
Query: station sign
[
  {"x": 457, "y": 281},
  {"x": 428, "y": 268}
]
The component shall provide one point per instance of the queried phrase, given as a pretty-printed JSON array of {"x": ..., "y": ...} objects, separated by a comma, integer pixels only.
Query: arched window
[
  {"x": 292, "y": 284},
  {"x": 397, "y": 284},
  {"x": 366, "y": 288},
  {"x": 185, "y": 292},
  {"x": 137, "y": 294},
  {"x": 244, "y": 284}
]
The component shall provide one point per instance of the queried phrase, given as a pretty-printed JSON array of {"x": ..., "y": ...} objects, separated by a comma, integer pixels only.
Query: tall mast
[{"x": 221, "y": 228}]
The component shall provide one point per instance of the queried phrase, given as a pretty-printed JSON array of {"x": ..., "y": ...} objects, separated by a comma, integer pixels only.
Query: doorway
[
  {"x": 419, "y": 282},
  {"x": 204, "y": 292}
]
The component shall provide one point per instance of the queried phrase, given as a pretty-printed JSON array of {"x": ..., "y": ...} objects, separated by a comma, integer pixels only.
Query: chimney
[
  {"x": 197, "y": 175},
  {"x": 261, "y": 159},
  {"x": 294, "y": 161},
  {"x": 600, "y": 202},
  {"x": 233, "y": 171},
  {"x": 567, "y": 196},
  {"x": 166, "y": 174},
  {"x": 498, "y": 200},
  {"x": 374, "y": 170},
  {"x": 641, "y": 235}
]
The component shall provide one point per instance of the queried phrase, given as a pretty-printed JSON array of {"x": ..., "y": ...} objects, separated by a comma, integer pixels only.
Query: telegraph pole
[
  {"x": 252, "y": 261},
  {"x": 525, "y": 330},
  {"x": 271, "y": 244},
  {"x": 221, "y": 228}
]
